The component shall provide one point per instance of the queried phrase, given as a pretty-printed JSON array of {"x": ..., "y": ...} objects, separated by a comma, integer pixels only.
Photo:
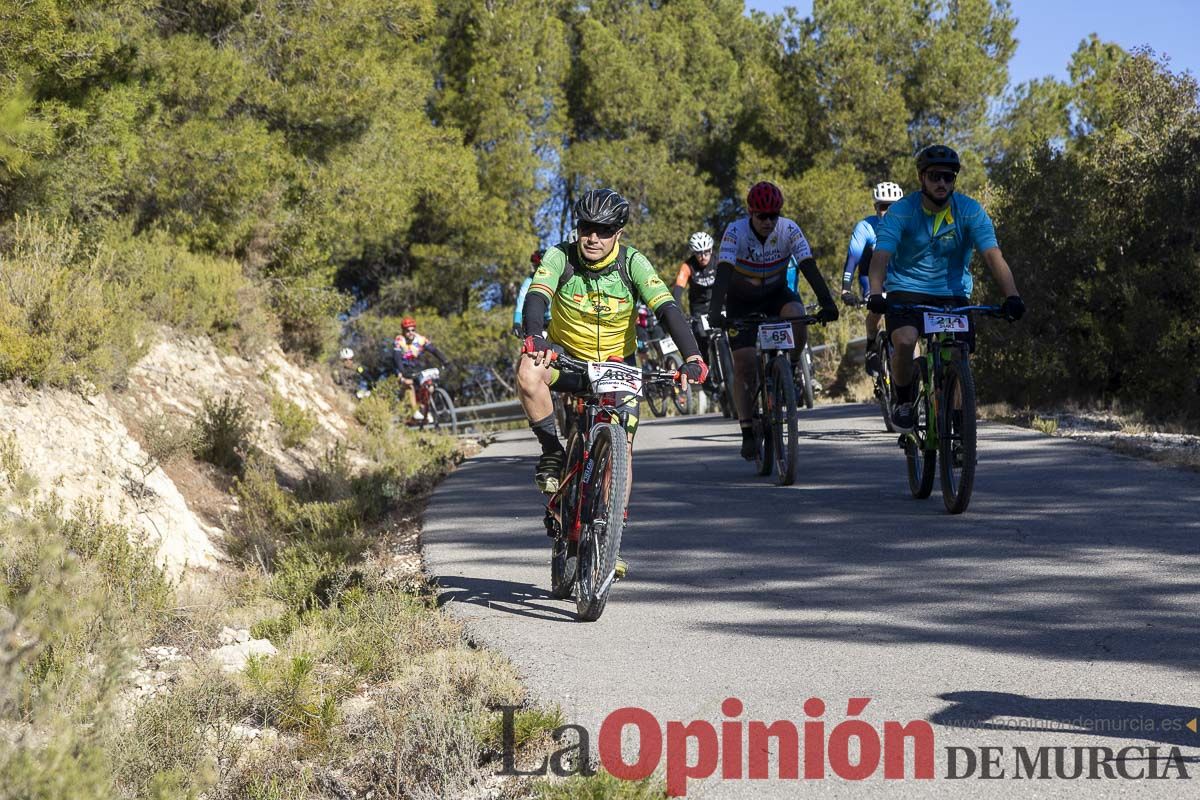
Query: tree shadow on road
[{"x": 1002, "y": 711}]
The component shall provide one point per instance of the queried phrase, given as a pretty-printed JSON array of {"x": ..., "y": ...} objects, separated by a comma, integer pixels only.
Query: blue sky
[{"x": 1048, "y": 31}]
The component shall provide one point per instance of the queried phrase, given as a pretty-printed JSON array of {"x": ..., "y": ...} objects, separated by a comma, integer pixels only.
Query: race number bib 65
[
  {"x": 612, "y": 376},
  {"x": 946, "y": 323},
  {"x": 776, "y": 336}
]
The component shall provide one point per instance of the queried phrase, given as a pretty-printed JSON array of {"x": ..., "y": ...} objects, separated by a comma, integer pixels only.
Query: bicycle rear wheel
[
  {"x": 656, "y": 394},
  {"x": 918, "y": 451},
  {"x": 725, "y": 359},
  {"x": 883, "y": 381},
  {"x": 564, "y": 551},
  {"x": 603, "y": 494},
  {"x": 764, "y": 438},
  {"x": 957, "y": 437},
  {"x": 684, "y": 398},
  {"x": 783, "y": 422},
  {"x": 804, "y": 368}
]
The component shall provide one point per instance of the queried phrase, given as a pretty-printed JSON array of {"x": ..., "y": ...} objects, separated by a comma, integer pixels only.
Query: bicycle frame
[
  {"x": 940, "y": 347},
  {"x": 588, "y": 412}
]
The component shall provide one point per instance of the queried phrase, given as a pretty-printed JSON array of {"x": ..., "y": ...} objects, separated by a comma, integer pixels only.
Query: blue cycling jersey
[
  {"x": 519, "y": 313},
  {"x": 931, "y": 253},
  {"x": 861, "y": 238}
]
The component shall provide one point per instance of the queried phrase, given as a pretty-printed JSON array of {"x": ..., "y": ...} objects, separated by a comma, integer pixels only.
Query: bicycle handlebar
[
  {"x": 989, "y": 311},
  {"x": 579, "y": 365},
  {"x": 754, "y": 320}
]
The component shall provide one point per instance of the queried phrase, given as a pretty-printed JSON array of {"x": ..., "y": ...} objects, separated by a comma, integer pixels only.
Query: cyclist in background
[
  {"x": 752, "y": 277},
  {"x": 535, "y": 260},
  {"x": 407, "y": 350},
  {"x": 697, "y": 274},
  {"x": 922, "y": 254},
  {"x": 858, "y": 259}
]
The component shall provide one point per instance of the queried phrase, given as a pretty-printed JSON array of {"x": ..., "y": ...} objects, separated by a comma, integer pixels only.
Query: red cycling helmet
[
  {"x": 764, "y": 197},
  {"x": 407, "y": 322}
]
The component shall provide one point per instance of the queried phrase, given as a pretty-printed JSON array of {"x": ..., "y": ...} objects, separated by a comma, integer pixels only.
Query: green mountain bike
[{"x": 945, "y": 429}]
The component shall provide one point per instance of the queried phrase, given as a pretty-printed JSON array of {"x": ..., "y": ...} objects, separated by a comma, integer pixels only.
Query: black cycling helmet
[
  {"x": 602, "y": 207},
  {"x": 937, "y": 155}
]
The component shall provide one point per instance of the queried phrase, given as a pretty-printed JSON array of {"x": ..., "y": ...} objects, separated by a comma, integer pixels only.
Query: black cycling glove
[
  {"x": 827, "y": 313},
  {"x": 717, "y": 321},
  {"x": 877, "y": 303},
  {"x": 1013, "y": 307}
]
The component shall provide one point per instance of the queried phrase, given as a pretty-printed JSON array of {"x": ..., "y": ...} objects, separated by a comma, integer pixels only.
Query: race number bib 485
[
  {"x": 612, "y": 376},
  {"x": 776, "y": 336}
]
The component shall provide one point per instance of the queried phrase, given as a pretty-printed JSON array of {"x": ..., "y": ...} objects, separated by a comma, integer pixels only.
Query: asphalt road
[{"x": 1059, "y": 611}]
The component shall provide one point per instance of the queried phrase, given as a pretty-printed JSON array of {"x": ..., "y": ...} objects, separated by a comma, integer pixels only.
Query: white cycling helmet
[
  {"x": 887, "y": 192},
  {"x": 346, "y": 354},
  {"x": 700, "y": 242}
]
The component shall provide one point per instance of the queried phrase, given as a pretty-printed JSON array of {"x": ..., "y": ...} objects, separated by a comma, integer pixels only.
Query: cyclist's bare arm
[{"x": 1000, "y": 271}]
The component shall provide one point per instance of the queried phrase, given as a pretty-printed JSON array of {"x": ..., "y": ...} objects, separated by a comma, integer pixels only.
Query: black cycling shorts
[
  {"x": 916, "y": 319},
  {"x": 770, "y": 304}
]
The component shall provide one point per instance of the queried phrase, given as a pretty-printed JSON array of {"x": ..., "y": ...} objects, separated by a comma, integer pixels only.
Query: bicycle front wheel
[
  {"x": 441, "y": 408},
  {"x": 919, "y": 449},
  {"x": 783, "y": 422},
  {"x": 606, "y": 476},
  {"x": 957, "y": 437}
]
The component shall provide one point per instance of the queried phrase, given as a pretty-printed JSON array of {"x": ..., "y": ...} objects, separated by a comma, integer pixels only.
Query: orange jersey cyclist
[{"x": 752, "y": 278}]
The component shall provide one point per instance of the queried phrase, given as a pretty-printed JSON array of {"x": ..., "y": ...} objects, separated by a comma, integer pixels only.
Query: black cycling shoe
[
  {"x": 873, "y": 363},
  {"x": 749, "y": 446},
  {"x": 905, "y": 417},
  {"x": 549, "y": 471}
]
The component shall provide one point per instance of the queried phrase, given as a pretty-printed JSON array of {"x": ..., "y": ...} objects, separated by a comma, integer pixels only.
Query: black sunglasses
[
  {"x": 766, "y": 217},
  {"x": 941, "y": 176},
  {"x": 603, "y": 231}
]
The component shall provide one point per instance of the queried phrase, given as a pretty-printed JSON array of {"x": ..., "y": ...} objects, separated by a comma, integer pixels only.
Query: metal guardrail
[
  {"x": 511, "y": 411},
  {"x": 490, "y": 414}
]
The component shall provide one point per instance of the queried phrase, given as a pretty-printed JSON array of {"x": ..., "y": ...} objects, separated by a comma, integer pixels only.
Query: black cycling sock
[
  {"x": 906, "y": 394},
  {"x": 747, "y": 429},
  {"x": 546, "y": 435}
]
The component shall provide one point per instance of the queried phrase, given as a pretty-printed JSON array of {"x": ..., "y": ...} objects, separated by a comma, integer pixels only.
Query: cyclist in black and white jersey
[{"x": 752, "y": 278}]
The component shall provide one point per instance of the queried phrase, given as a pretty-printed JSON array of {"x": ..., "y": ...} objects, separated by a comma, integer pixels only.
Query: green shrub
[
  {"x": 166, "y": 439},
  {"x": 307, "y": 312},
  {"x": 290, "y": 694},
  {"x": 222, "y": 431},
  {"x": 63, "y": 320},
  {"x": 296, "y": 425},
  {"x": 601, "y": 786}
]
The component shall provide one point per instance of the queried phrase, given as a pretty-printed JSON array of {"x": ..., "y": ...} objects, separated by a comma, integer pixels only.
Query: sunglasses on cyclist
[
  {"x": 941, "y": 176},
  {"x": 603, "y": 231},
  {"x": 761, "y": 217}
]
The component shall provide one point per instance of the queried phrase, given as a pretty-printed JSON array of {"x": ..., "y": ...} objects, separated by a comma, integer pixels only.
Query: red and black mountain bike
[{"x": 586, "y": 516}]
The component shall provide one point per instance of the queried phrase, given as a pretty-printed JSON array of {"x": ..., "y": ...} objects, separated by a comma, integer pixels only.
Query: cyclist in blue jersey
[
  {"x": 858, "y": 259},
  {"x": 535, "y": 260},
  {"x": 922, "y": 253}
]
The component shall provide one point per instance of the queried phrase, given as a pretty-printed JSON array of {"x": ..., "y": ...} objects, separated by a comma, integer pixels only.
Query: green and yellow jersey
[{"x": 593, "y": 310}]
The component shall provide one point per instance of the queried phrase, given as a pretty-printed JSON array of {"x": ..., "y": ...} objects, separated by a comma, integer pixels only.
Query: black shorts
[
  {"x": 916, "y": 319},
  {"x": 770, "y": 304}
]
